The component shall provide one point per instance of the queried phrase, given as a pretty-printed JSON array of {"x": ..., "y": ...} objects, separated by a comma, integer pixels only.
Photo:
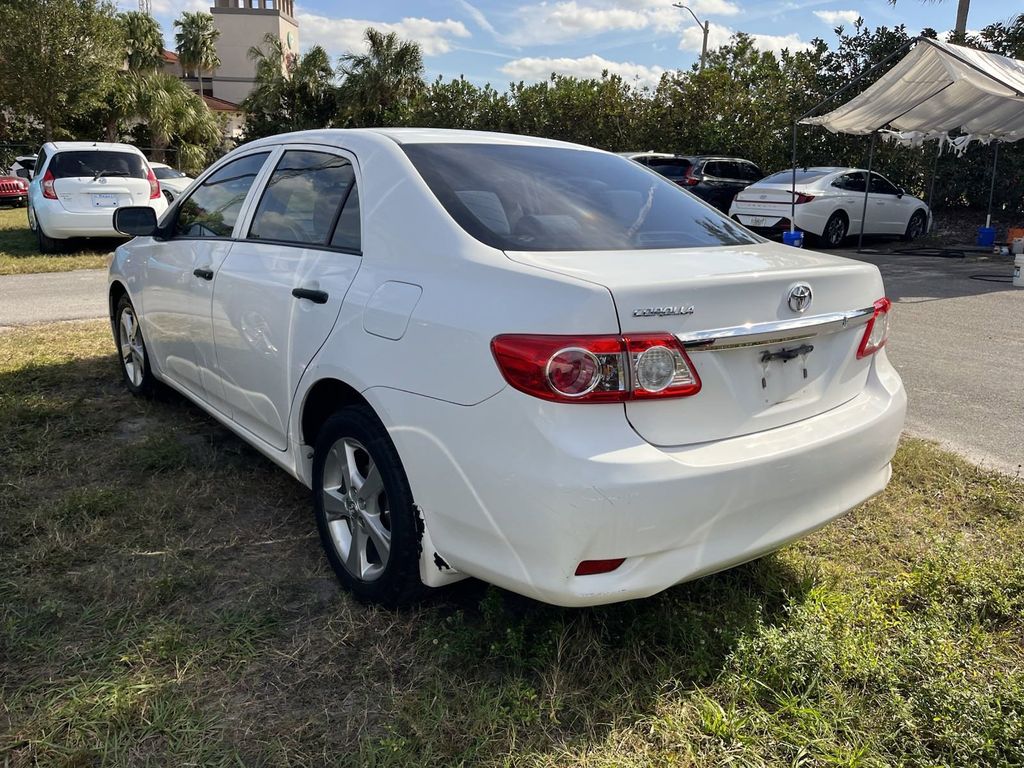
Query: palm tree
[
  {"x": 295, "y": 92},
  {"x": 196, "y": 42},
  {"x": 143, "y": 40},
  {"x": 381, "y": 85},
  {"x": 963, "y": 6}
]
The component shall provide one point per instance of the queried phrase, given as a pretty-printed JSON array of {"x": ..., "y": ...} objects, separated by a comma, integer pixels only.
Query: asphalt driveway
[{"x": 958, "y": 342}]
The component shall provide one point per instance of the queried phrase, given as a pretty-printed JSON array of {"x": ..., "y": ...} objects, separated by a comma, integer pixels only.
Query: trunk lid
[
  {"x": 740, "y": 300},
  {"x": 87, "y": 194}
]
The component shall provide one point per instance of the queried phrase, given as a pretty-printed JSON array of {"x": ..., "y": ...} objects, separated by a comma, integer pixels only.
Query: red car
[{"x": 13, "y": 190}]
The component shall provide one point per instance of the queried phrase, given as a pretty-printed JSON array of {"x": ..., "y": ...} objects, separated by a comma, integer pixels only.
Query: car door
[
  {"x": 851, "y": 198},
  {"x": 889, "y": 205},
  {"x": 179, "y": 270},
  {"x": 279, "y": 291},
  {"x": 716, "y": 184}
]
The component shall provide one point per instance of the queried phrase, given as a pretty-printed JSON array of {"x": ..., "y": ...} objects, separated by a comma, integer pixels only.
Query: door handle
[
  {"x": 317, "y": 297},
  {"x": 206, "y": 274}
]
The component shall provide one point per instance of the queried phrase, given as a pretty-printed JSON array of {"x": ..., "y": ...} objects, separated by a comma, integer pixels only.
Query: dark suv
[{"x": 710, "y": 177}]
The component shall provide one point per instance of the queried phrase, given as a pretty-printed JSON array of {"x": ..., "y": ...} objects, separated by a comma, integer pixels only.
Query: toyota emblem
[{"x": 800, "y": 297}]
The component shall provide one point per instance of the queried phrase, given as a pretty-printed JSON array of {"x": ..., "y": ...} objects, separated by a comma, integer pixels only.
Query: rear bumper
[{"x": 517, "y": 491}]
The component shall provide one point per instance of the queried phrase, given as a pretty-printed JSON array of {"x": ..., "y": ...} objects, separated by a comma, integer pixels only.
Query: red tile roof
[
  {"x": 220, "y": 105},
  {"x": 170, "y": 57}
]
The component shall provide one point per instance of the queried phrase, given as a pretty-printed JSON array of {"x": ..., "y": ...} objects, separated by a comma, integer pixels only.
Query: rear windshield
[
  {"x": 96, "y": 162},
  {"x": 168, "y": 173},
  {"x": 527, "y": 198},
  {"x": 672, "y": 168},
  {"x": 802, "y": 176}
]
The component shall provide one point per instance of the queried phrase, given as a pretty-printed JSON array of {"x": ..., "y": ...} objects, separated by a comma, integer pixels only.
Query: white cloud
[
  {"x": 552, "y": 22},
  {"x": 835, "y": 18},
  {"x": 719, "y": 35},
  {"x": 344, "y": 35},
  {"x": 477, "y": 15},
  {"x": 540, "y": 68}
]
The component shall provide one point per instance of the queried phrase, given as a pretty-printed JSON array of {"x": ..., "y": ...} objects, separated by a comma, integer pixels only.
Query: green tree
[
  {"x": 143, "y": 41},
  {"x": 58, "y": 58},
  {"x": 291, "y": 93},
  {"x": 196, "y": 43},
  {"x": 383, "y": 85}
]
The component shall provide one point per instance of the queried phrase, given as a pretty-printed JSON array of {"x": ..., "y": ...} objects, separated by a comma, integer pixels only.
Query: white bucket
[
  {"x": 1017, "y": 246},
  {"x": 1018, "y": 271}
]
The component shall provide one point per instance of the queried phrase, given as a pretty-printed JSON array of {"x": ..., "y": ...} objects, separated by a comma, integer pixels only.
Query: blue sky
[{"x": 491, "y": 41}]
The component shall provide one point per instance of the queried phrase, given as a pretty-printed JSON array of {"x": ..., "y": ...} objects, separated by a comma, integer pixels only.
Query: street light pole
[{"x": 705, "y": 28}]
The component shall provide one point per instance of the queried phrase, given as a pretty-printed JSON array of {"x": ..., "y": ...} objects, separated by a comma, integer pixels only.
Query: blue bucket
[
  {"x": 794, "y": 238},
  {"x": 986, "y": 236}
]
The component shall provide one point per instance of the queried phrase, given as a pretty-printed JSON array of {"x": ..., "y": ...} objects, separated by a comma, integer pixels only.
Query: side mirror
[
  {"x": 900, "y": 191},
  {"x": 136, "y": 220}
]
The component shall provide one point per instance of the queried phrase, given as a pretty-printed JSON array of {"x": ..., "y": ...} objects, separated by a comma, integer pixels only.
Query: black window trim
[
  {"x": 345, "y": 155},
  {"x": 166, "y": 229}
]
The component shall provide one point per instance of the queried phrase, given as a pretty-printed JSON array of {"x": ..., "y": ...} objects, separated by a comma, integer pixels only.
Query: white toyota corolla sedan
[
  {"x": 522, "y": 360},
  {"x": 830, "y": 205}
]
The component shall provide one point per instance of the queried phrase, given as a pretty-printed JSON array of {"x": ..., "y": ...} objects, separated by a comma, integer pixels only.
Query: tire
[
  {"x": 916, "y": 226},
  {"x": 834, "y": 233},
  {"x": 47, "y": 244},
  {"x": 131, "y": 349},
  {"x": 371, "y": 537}
]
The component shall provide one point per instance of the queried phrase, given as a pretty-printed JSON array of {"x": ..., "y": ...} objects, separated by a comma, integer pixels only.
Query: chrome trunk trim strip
[{"x": 775, "y": 332}]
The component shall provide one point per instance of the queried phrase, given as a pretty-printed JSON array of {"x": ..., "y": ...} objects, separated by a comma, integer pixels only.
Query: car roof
[
  {"x": 66, "y": 146},
  {"x": 380, "y": 136}
]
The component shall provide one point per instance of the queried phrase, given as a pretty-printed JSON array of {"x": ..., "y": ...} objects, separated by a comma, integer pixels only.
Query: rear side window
[
  {"x": 302, "y": 199},
  {"x": 212, "y": 209},
  {"x": 94, "y": 163},
  {"x": 347, "y": 233},
  {"x": 530, "y": 198}
]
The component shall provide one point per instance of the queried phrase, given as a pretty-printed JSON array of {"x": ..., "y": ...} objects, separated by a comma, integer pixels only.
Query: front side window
[
  {"x": 882, "y": 186},
  {"x": 97, "y": 163},
  {"x": 302, "y": 198},
  {"x": 534, "y": 198},
  {"x": 212, "y": 209}
]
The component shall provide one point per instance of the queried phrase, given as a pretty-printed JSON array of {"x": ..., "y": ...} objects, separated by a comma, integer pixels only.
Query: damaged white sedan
[{"x": 526, "y": 361}]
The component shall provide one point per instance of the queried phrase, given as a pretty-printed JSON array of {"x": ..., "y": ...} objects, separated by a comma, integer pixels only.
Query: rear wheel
[
  {"x": 835, "y": 231},
  {"x": 916, "y": 226},
  {"x": 364, "y": 509},
  {"x": 47, "y": 244}
]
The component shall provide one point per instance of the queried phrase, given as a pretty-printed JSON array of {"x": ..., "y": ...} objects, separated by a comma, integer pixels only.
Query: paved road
[
  {"x": 27, "y": 299},
  {"x": 958, "y": 342},
  {"x": 959, "y": 345}
]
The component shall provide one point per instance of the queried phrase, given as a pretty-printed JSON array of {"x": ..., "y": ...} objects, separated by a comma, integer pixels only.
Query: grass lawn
[
  {"x": 164, "y": 601},
  {"x": 19, "y": 252}
]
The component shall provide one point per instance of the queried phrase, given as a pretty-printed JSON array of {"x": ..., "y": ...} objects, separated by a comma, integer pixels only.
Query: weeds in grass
[
  {"x": 19, "y": 250},
  {"x": 164, "y": 601}
]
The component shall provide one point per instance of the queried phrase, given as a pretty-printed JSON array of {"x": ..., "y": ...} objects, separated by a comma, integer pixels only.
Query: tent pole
[
  {"x": 792, "y": 205},
  {"x": 992, "y": 186},
  {"x": 931, "y": 186},
  {"x": 867, "y": 188}
]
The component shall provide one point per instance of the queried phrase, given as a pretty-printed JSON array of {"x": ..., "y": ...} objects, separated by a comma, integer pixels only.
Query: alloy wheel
[
  {"x": 836, "y": 231},
  {"x": 356, "y": 508},
  {"x": 133, "y": 351}
]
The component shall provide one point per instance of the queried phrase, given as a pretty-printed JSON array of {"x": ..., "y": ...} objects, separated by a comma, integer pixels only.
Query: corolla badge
[
  {"x": 800, "y": 297},
  {"x": 663, "y": 311}
]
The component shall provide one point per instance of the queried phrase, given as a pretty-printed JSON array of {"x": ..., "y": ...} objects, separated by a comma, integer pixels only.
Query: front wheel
[
  {"x": 916, "y": 226},
  {"x": 131, "y": 348},
  {"x": 364, "y": 509},
  {"x": 835, "y": 231}
]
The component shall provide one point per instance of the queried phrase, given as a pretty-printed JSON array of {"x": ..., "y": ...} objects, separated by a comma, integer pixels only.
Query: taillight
[
  {"x": 592, "y": 567},
  {"x": 154, "y": 185},
  {"x": 802, "y": 198},
  {"x": 596, "y": 369},
  {"x": 48, "y": 191},
  {"x": 877, "y": 331},
  {"x": 689, "y": 180}
]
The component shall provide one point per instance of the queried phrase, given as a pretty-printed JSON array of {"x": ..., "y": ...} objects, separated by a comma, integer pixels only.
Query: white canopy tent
[{"x": 935, "y": 89}]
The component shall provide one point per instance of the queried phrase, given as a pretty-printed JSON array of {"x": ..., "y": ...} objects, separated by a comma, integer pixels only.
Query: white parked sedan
[
  {"x": 172, "y": 181},
  {"x": 829, "y": 205},
  {"x": 522, "y": 360},
  {"x": 77, "y": 185}
]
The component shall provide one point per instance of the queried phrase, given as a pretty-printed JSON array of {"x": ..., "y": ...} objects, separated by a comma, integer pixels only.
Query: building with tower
[{"x": 243, "y": 24}]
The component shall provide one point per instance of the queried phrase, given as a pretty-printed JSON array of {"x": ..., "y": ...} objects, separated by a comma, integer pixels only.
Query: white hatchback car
[
  {"x": 522, "y": 360},
  {"x": 77, "y": 185},
  {"x": 829, "y": 205}
]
